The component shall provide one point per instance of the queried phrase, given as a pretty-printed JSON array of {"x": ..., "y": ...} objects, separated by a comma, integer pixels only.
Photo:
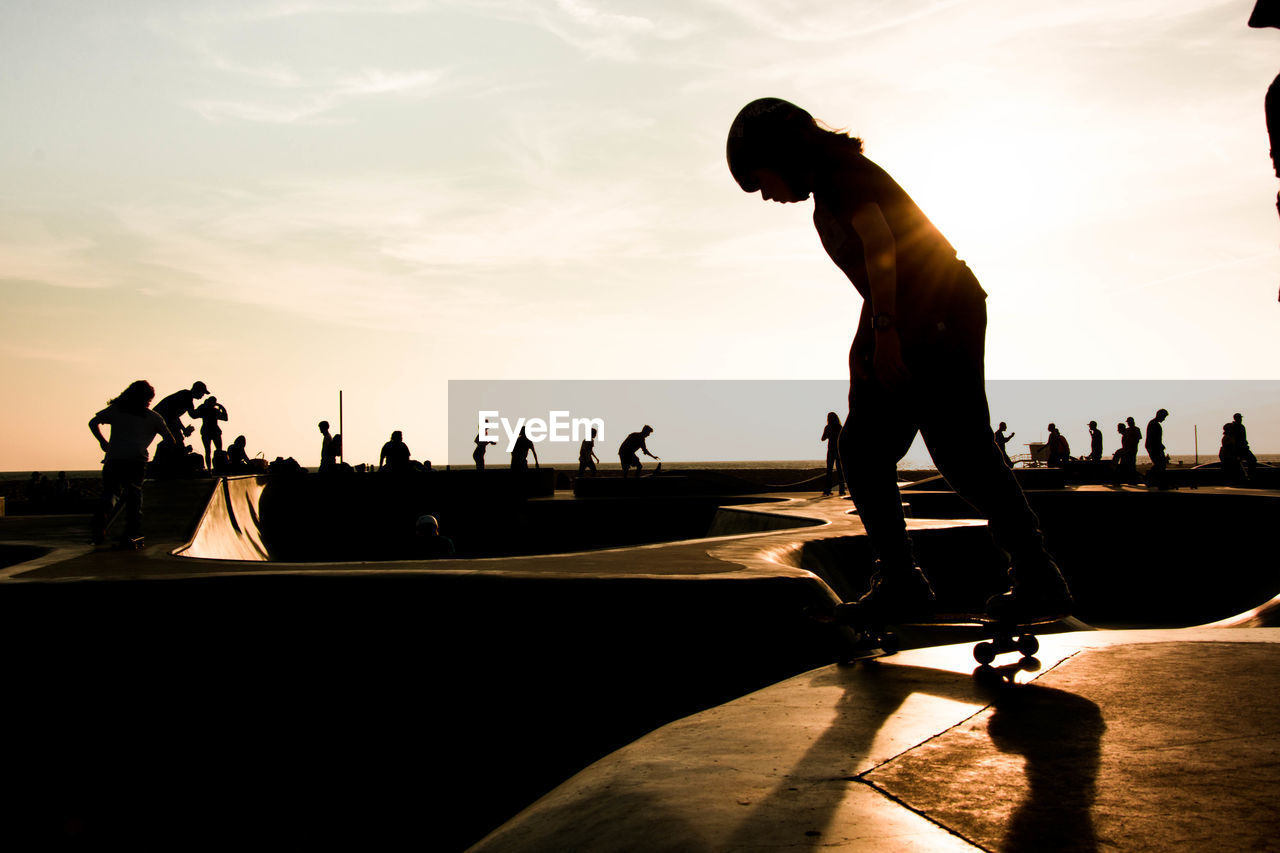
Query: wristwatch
[{"x": 882, "y": 321}]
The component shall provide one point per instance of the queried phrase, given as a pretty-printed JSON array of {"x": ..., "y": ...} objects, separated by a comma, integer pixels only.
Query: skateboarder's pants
[
  {"x": 946, "y": 402},
  {"x": 122, "y": 480}
]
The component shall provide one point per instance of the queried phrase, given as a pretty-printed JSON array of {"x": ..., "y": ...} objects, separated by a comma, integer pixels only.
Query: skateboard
[{"x": 873, "y": 641}]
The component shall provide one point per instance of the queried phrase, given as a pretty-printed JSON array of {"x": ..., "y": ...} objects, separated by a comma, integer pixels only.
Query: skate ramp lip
[
  {"x": 322, "y": 520},
  {"x": 1133, "y": 558}
]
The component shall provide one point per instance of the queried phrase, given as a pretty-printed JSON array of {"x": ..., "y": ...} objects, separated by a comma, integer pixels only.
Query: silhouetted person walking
[
  {"x": 328, "y": 448},
  {"x": 1001, "y": 440},
  {"x": 177, "y": 404},
  {"x": 1059, "y": 449},
  {"x": 477, "y": 455},
  {"x": 831, "y": 435},
  {"x": 133, "y": 428},
  {"x": 210, "y": 412},
  {"x": 917, "y": 359},
  {"x": 627, "y": 450},
  {"x": 395, "y": 454},
  {"x": 1157, "y": 476},
  {"x": 1095, "y": 442},
  {"x": 587, "y": 458},
  {"x": 520, "y": 452}
]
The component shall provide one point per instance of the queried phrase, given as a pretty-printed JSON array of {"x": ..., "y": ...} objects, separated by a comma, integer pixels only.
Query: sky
[{"x": 287, "y": 199}]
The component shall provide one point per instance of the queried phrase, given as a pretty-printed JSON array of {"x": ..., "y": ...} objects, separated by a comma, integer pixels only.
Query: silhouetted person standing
[
  {"x": 520, "y": 452},
  {"x": 587, "y": 458},
  {"x": 831, "y": 435},
  {"x": 395, "y": 454},
  {"x": 328, "y": 448},
  {"x": 916, "y": 363},
  {"x": 477, "y": 455},
  {"x": 1129, "y": 449},
  {"x": 1001, "y": 440},
  {"x": 1245, "y": 460},
  {"x": 133, "y": 428},
  {"x": 1095, "y": 442},
  {"x": 1059, "y": 449},
  {"x": 1157, "y": 476},
  {"x": 627, "y": 450},
  {"x": 210, "y": 412},
  {"x": 177, "y": 404}
]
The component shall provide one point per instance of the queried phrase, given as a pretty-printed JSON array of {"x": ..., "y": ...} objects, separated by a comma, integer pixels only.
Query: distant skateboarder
[
  {"x": 133, "y": 428},
  {"x": 587, "y": 458},
  {"x": 916, "y": 363},
  {"x": 627, "y": 450}
]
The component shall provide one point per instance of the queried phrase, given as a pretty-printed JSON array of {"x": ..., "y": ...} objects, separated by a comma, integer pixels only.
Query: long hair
[
  {"x": 773, "y": 134},
  {"x": 833, "y": 420},
  {"x": 136, "y": 398}
]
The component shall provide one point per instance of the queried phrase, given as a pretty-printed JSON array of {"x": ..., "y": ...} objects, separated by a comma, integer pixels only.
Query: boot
[{"x": 1038, "y": 594}]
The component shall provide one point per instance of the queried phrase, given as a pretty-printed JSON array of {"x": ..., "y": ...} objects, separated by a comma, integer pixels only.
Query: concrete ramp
[{"x": 230, "y": 529}]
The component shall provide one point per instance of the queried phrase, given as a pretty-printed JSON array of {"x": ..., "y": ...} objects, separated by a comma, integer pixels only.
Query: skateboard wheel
[
  {"x": 984, "y": 653},
  {"x": 1028, "y": 644}
]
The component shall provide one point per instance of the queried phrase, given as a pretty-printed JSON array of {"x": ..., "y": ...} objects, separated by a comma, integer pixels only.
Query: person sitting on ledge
[{"x": 395, "y": 454}]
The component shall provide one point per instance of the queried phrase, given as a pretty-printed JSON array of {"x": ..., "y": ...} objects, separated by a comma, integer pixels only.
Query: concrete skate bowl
[
  {"x": 311, "y": 519},
  {"x": 1133, "y": 559}
]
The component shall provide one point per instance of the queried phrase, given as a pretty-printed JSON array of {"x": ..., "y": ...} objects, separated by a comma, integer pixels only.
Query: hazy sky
[{"x": 285, "y": 199}]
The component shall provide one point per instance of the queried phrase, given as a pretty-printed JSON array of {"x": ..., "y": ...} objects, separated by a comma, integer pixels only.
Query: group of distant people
[
  {"x": 628, "y": 452},
  {"x": 135, "y": 424},
  {"x": 1234, "y": 455}
]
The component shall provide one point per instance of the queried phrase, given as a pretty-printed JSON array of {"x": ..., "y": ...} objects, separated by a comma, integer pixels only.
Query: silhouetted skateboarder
[
  {"x": 133, "y": 428},
  {"x": 627, "y": 450},
  {"x": 587, "y": 458},
  {"x": 916, "y": 363}
]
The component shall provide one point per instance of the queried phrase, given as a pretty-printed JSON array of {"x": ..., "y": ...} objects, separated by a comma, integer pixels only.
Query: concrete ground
[
  {"x": 1125, "y": 740},
  {"x": 1129, "y": 740}
]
